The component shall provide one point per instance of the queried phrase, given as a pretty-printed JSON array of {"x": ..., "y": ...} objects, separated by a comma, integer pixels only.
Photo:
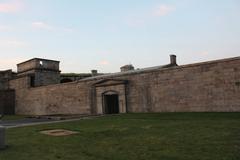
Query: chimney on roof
[
  {"x": 94, "y": 72},
  {"x": 128, "y": 67},
  {"x": 173, "y": 59}
]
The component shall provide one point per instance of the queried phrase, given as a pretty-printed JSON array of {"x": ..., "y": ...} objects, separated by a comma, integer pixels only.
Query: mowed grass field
[{"x": 163, "y": 136}]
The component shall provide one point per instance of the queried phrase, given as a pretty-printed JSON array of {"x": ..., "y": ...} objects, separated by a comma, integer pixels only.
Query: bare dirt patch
[{"x": 58, "y": 132}]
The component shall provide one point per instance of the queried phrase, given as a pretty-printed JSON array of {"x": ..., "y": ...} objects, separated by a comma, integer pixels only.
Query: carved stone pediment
[{"x": 109, "y": 82}]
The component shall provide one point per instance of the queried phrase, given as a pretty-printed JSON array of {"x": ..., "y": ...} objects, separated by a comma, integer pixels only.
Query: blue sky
[{"x": 106, "y": 34}]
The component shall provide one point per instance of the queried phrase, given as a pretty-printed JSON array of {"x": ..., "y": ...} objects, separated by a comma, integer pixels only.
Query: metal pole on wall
[{"x": 2, "y": 137}]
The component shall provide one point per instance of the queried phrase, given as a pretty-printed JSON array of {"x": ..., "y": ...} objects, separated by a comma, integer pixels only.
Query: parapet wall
[
  {"x": 38, "y": 63},
  {"x": 204, "y": 87}
]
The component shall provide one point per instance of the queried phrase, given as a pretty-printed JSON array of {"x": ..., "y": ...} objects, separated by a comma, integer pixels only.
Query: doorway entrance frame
[
  {"x": 104, "y": 101},
  {"x": 110, "y": 86}
]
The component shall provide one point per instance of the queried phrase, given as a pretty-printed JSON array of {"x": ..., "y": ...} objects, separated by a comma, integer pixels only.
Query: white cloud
[
  {"x": 12, "y": 43},
  {"x": 135, "y": 21},
  {"x": 11, "y": 6},
  {"x": 67, "y": 29},
  {"x": 42, "y": 25},
  {"x": 104, "y": 62},
  {"x": 163, "y": 10},
  {"x": 45, "y": 26},
  {"x": 4, "y": 28},
  {"x": 204, "y": 53},
  {"x": 141, "y": 18}
]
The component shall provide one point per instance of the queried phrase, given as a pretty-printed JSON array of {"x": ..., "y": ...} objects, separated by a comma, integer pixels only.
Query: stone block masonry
[
  {"x": 7, "y": 102},
  {"x": 203, "y": 87}
]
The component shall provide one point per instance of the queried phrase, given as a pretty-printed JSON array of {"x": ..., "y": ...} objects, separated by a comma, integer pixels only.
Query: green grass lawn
[
  {"x": 13, "y": 117},
  {"x": 164, "y": 136}
]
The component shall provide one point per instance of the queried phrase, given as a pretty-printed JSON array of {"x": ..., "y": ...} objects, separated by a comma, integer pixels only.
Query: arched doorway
[
  {"x": 111, "y": 102},
  {"x": 109, "y": 96}
]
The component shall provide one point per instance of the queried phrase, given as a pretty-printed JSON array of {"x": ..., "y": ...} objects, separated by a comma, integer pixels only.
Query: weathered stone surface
[
  {"x": 108, "y": 89},
  {"x": 41, "y": 72},
  {"x": 38, "y": 63},
  {"x": 202, "y": 87},
  {"x": 71, "y": 98},
  {"x": 5, "y": 76}
]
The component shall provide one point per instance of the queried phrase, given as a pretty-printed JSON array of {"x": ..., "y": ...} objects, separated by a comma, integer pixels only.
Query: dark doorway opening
[
  {"x": 7, "y": 102},
  {"x": 32, "y": 81},
  {"x": 111, "y": 104},
  {"x": 66, "y": 80}
]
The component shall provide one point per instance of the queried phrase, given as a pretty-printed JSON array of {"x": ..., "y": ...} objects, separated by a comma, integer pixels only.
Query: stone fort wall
[
  {"x": 70, "y": 98},
  {"x": 204, "y": 87}
]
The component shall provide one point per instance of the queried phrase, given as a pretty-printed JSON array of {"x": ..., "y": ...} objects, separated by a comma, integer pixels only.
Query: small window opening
[
  {"x": 32, "y": 81},
  {"x": 237, "y": 83}
]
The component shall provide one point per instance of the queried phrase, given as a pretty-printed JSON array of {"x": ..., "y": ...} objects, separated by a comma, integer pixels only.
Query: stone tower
[{"x": 41, "y": 71}]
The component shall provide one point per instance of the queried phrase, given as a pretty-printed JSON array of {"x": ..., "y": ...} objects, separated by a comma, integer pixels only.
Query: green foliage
[{"x": 163, "y": 136}]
